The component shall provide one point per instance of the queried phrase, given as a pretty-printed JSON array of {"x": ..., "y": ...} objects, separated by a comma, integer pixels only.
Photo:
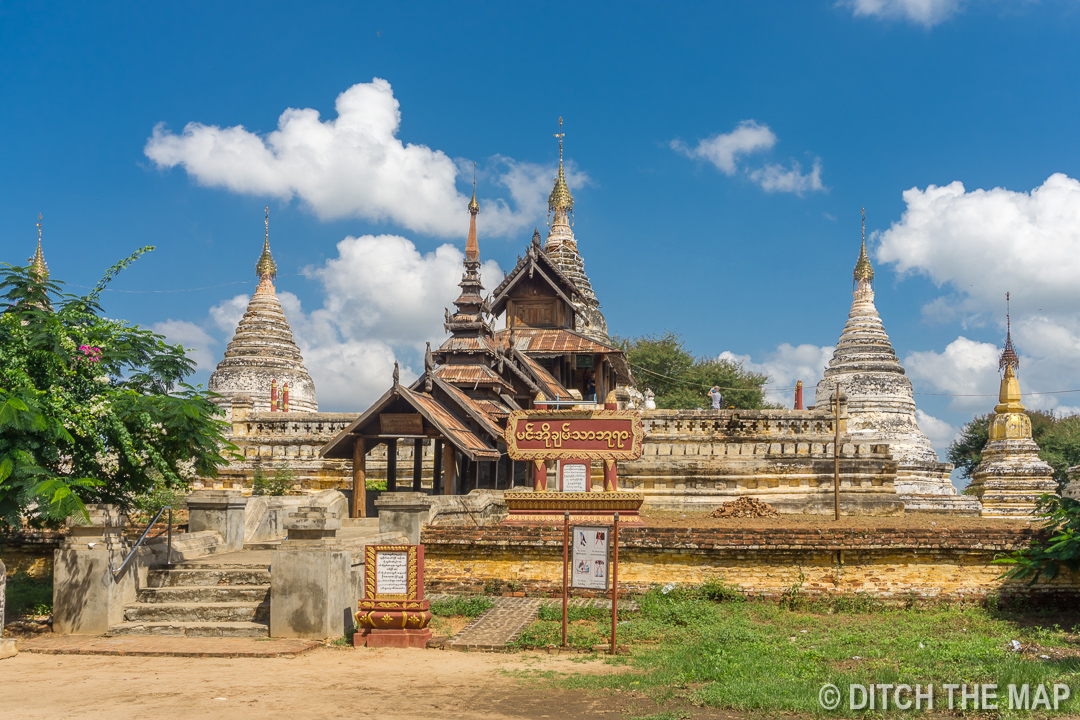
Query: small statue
[{"x": 650, "y": 399}]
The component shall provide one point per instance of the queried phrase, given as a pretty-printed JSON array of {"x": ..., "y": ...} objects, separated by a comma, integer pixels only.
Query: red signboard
[{"x": 556, "y": 434}]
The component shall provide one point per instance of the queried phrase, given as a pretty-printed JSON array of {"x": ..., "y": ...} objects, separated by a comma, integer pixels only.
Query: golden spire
[
  {"x": 266, "y": 267},
  {"x": 472, "y": 248},
  {"x": 474, "y": 207},
  {"x": 863, "y": 269},
  {"x": 37, "y": 263},
  {"x": 560, "y": 195},
  {"x": 1009, "y": 358}
]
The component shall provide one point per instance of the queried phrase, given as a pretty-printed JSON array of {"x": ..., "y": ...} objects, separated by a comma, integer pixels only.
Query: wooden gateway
[{"x": 554, "y": 348}]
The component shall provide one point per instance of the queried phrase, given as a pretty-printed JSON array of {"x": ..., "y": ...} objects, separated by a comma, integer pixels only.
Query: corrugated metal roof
[
  {"x": 466, "y": 344},
  {"x": 453, "y": 428},
  {"x": 551, "y": 387},
  {"x": 471, "y": 375},
  {"x": 541, "y": 341}
]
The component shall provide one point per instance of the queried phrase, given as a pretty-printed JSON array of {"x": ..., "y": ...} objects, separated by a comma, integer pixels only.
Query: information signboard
[
  {"x": 575, "y": 476},
  {"x": 589, "y": 562}
]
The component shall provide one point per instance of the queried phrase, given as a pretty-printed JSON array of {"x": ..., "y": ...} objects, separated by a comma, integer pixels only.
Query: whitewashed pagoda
[
  {"x": 561, "y": 247},
  {"x": 262, "y": 357},
  {"x": 881, "y": 402}
]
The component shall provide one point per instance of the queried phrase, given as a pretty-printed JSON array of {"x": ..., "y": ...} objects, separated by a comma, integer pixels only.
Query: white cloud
[
  {"x": 193, "y": 337},
  {"x": 941, "y": 433},
  {"x": 985, "y": 242},
  {"x": 787, "y": 365},
  {"x": 923, "y": 12},
  {"x": 727, "y": 150},
  {"x": 777, "y": 178},
  {"x": 977, "y": 245},
  {"x": 966, "y": 367},
  {"x": 381, "y": 302},
  {"x": 354, "y": 166},
  {"x": 723, "y": 149}
]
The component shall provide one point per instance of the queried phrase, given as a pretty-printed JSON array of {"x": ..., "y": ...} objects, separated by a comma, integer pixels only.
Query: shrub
[{"x": 280, "y": 483}]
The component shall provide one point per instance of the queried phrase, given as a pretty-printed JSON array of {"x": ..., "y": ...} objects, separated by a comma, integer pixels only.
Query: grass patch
[
  {"x": 27, "y": 595},
  {"x": 469, "y": 607},
  {"x": 751, "y": 655}
]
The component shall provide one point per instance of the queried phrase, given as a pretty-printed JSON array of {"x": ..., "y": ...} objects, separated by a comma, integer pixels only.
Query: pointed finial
[
  {"x": 266, "y": 267},
  {"x": 1009, "y": 358},
  {"x": 37, "y": 263},
  {"x": 474, "y": 207},
  {"x": 560, "y": 195},
  {"x": 472, "y": 247},
  {"x": 863, "y": 269},
  {"x": 397, "y": 373}
]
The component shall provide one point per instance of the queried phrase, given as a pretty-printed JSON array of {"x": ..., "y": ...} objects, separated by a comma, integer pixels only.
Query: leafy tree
[
  {"x": 1059, "y": 547},
  {"x": 681, "y": 381},
  {"x": 1058, "y": 439},
  {"x": 91, "y": 409}
]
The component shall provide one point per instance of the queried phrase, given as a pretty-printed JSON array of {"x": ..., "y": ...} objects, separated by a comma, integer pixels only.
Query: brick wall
[
  {"x": 30, "y": 552},
  {"x": 886, "y": 563}
]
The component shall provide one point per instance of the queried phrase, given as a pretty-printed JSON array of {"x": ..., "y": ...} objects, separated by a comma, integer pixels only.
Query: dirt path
[{"x": 325, "y": 683}]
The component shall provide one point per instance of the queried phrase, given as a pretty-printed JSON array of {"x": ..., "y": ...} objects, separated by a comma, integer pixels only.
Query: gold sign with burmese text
[{"x": 557, "y": 434}]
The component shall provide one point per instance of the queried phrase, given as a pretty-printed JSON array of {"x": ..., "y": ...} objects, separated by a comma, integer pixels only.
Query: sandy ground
[{"x": 325, "y": 683}]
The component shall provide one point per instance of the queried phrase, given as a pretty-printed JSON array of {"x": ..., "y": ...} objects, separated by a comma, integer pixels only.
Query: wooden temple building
[{"x": 554, "y": 348}]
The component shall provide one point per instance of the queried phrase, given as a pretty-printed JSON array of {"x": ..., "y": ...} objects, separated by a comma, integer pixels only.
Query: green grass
[
  {"x": 469, "y": 607},
  {"x": 774, "y": 657},
  {"x": 28, "y": 595}
]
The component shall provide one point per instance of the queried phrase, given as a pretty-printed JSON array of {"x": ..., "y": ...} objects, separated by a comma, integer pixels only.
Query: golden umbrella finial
[
  {"x": 560, "y": 195},
  {"x": 266, "y": 267},
  {"x": 37, "y": 263},
  {"x": 863, "y": 269}
]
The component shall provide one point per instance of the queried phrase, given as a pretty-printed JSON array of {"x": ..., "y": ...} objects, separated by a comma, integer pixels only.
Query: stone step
[
  {"x": 205, "y": 593},
  {"x": 193, "y": 629},
  {"x": 209, "y": 575},
  {"x": 268, "y": 545},
  {"x": 197, "y": 612}
]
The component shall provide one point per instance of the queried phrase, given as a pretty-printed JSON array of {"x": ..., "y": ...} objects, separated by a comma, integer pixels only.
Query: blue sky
[{"x": 719, "y": 156}]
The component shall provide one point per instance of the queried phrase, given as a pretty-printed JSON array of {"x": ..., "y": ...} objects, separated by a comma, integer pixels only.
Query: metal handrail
[{"x": 168, "y": 556}]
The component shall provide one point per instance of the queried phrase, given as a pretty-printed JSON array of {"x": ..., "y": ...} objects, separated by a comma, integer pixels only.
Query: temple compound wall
[
  {"x": 692, "y": 459},
  {"x": 890, "y": 564}
]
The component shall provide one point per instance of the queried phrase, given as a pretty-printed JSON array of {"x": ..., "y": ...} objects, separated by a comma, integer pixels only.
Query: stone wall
[
  {"x": 891, "y": 564},
  {"x": 31, "y": 551},
  {"x": 693, "y": 459},
  {"x": 696, "y": 459}
]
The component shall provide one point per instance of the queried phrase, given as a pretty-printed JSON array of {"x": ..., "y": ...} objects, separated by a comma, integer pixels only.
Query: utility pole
[{"x": 836, "y": 454}]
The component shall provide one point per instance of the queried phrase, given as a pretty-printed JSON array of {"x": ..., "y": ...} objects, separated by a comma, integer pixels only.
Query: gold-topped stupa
[
  {"x": 262, "y": 350},
  {"x": 561, "y": 246},
  {"x": 1011, "y": 476}
]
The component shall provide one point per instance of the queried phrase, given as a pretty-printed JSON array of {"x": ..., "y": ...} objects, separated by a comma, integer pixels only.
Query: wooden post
[
  {"x": 449, "y": 469},
  {"x": 476, "y": 473},
  {"x": 565, "y": 562},
  {"x": 615, "y": 583},
  {"x": 836, "y": 456},
  {"x": 436, "y": 469},
  {"x": 417, "y": 464},
  {"x": 358, "y": 506},
  {"x": 391, "y": 465}
]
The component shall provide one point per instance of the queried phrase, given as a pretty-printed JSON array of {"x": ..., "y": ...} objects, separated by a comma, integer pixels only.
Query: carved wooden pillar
[
  {"x": 539, "y": 476},
  {"x": 449, "y": 469},
  {"x": 358, "y": 506},
  {"x": 391, "y": 465},
  {"x": 417, "y": 464},
  {"x": 611, "y": 482},
  {"x": 436, "y": 469}
]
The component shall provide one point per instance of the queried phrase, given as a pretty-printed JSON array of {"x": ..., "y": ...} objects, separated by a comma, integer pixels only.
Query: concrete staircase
[{"x": 201, "y": 601}]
